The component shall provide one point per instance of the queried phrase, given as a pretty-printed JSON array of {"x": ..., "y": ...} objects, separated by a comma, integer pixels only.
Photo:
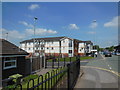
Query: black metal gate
[{"x": 37, "y": 63}]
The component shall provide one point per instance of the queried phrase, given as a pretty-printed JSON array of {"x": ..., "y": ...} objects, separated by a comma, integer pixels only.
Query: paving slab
[{"x": 43, "y": 71}]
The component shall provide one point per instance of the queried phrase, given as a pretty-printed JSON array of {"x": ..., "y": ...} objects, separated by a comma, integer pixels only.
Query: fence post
[
  {"x": 68, "y": 75},
  {"x": 53, "y": 62},
  {"x": 58, "y": 62},
  {"x": 45, "y": 63},
  {"x": 70, "y": 59},
  {"x": 79, "y": 64},
  {"x": 31, "y": 64},
  {"x": 64, "y": 62}
]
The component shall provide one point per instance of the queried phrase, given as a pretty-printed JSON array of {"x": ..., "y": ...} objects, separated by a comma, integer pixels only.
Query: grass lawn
[
  {"x": 35, "y": 77},
  {"x": 67, "y": 59}
]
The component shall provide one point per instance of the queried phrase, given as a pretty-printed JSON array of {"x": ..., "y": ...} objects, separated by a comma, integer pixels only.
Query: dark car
[{"x": 108, "y": 54}]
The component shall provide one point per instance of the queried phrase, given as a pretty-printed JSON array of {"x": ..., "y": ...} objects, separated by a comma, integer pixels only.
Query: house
[
  {"x": 12, "y": 59},
  {"x": 57, "y": 46}
]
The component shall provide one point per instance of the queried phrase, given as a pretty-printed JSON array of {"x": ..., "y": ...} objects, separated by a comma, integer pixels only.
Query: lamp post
[
  {"x": 33, "y": 42},
  {"x": 6, "y": 35},
  {"x": 35, "y": 19},
  {"x": 94, "y": 22}
]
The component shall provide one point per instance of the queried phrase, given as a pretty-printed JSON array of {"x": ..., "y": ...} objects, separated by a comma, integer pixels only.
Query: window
[
  {"x": 70, "y": 51},
  {"x": 29, "y": 48},
  {"x": 36, "y": 48},
  {"x": 47, "y": 47},
  {"x": 70, "y": 43},
  {"x": 10, "y": 63},
  {"x": 52, "y": 48}
]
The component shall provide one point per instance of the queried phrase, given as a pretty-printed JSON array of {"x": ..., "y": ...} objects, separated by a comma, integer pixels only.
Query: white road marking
[
  {"x": 103, "y": 57},
  {"x": 110, "y": 67}
]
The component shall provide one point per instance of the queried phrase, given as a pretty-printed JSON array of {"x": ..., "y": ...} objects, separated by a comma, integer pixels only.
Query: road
[
  {"x": 110, "y": 63},
  {"x": 101, "y": 72}
]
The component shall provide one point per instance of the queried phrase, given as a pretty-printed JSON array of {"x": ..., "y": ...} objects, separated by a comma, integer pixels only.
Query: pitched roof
[
  {"x": 45, "y": 39},
  {"x": 9, "y": 48},
  {"x": 88, "y": 42},
  {"x": 78, "y": 40}
]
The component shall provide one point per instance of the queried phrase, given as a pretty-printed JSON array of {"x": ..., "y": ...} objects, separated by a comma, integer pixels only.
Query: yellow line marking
[{"x": 116, "y": 73}]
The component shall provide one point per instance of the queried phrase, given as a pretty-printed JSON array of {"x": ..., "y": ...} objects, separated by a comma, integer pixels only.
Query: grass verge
[{"x": 67, "y": 59}]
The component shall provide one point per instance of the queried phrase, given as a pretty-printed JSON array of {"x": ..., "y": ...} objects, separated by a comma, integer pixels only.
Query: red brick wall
[
  {"x": 57, "y": 54},
  {"x": 81, "y": 54}
]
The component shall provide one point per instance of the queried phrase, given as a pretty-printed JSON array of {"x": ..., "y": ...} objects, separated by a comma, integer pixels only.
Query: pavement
[
  {"x": 43, "y": 71},
  {"x": 101, "y": 72}
]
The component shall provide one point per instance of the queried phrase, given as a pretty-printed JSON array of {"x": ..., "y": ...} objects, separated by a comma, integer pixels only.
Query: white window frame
[{"x": 8, "y": 67}]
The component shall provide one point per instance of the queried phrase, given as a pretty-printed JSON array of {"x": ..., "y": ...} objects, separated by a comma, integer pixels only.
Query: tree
[
  {"x": 96, "y": 47},
  {"x": 101, "y": 49},
  {"x": 111, "y": 48}
]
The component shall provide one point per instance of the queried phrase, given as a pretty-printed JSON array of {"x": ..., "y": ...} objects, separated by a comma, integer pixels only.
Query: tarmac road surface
[{"x": 101, "y": 72}]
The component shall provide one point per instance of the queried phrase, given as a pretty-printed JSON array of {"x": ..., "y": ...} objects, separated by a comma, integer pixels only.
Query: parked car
[
  {"x": 108, "y": 54},
  {"x": 118, "y": 54}
]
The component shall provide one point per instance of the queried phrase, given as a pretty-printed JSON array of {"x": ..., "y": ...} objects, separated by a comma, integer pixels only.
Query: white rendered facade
[
  {"x": 84, "y": 48},
  {"x": 52, "y": 47},
  {"x": 64, "y": 46}
]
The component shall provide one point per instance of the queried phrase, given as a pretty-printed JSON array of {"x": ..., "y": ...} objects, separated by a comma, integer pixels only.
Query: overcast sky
[{"x": 95, "y": 21}]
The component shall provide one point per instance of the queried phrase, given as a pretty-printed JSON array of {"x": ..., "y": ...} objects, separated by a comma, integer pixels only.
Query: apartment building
[
  {"x": 85, "y": 48},
  {"x": 57, "y": 46}
]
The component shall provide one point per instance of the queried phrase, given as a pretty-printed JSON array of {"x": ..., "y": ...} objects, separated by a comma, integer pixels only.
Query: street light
[
  {"x": 6, "y": 35},
  {"x": 94, "y": 22},
  {"x": 35, "y": 19}
]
